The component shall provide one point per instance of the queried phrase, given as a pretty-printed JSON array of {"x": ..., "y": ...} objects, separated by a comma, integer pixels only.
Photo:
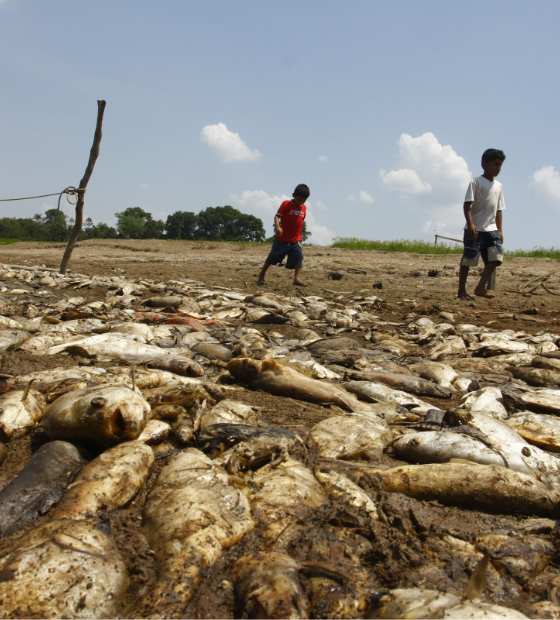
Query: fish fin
[
  {"x": 26, "y": 391},
  {"x": 477, "y": 582}
]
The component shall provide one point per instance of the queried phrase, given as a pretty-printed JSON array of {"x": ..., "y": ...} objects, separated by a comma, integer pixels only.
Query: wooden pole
[{"x": 93, "y": 154}]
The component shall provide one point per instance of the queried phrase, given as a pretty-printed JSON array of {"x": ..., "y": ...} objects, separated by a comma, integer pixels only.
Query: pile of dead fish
[{"x": 160, "y": 369}]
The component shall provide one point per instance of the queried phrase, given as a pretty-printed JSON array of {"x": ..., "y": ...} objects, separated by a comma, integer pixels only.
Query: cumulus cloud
[
  {"x": 227, "y": 144},
  {"x": 321, "y": 206},
  {"x": 430, "y": 177},
  {"x": 405, "y": 181},
  {"x": 547, "y": 184},
  {"x": 322, "y": 158},
  {"x": 259, "y": 203}
]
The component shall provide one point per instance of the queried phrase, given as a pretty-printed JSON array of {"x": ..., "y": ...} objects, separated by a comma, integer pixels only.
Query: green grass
[
  {"x": 425, "y": 247},
  {"x": 7, "y": 241},
  {"x": 399, "y": 245}
]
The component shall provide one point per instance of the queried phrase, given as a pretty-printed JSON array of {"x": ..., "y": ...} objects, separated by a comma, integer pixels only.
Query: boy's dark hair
[
  {"x": 302, "y": 190},
  {"x": 492, "y": 154}
]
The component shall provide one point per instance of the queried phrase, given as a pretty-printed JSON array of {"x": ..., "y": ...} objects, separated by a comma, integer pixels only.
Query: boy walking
[
  {"x": 289, "y": 223},
  {"x": 483, "y": 206}
]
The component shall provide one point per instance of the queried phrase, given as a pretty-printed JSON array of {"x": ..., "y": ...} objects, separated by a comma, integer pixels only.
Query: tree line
[{"x": 210, "y": 224}]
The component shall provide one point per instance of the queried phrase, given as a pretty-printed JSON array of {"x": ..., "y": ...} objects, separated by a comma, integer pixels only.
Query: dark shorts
[
  {"x": 281, "y": 249},
  {"x": 486, "y": 244}
]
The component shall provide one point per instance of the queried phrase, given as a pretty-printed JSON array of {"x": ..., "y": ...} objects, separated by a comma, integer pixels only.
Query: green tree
[
  {"x": 228, "y": 224},
  {"x": 135, "y": 223},
  {"x": 305, "y": 234},
  {"x": 181, "y": 225}
]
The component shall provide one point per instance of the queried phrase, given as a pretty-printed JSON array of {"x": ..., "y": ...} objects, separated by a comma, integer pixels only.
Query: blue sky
[{"x": 382, "y": 107}]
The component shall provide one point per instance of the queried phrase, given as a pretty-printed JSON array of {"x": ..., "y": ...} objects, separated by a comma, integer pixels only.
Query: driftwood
[{"x": 81, "y": 188}]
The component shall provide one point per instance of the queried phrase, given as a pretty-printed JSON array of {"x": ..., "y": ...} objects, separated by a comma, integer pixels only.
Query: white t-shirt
[{"x": 487, "y": 199}]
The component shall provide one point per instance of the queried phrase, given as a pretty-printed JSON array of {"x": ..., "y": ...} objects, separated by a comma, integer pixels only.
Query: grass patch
[
  {"x": 399, "y": 245},
  {"x": 7, "y": 241},
  {"x": 425, "y": 247}
]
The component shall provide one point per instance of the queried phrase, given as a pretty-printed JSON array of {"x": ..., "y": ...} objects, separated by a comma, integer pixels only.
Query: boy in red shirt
[{"x": 289, "y": 222}]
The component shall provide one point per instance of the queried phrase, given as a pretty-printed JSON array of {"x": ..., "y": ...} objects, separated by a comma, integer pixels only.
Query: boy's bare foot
[
  {"x": 464, "y": 295},
  {"x": 260, "y": 282},
  {"x": 299, "y": 283},
  {"x": 482, "y": 292}
]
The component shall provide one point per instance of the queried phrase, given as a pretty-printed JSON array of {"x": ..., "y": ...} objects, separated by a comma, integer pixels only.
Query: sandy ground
[{"x": 399, "y": 548}]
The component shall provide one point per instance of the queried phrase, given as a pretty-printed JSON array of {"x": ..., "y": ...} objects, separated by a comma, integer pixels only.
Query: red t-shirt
[{"x": 291, "y": 222}]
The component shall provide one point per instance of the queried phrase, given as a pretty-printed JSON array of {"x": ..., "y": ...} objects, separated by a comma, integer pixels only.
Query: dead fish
[
  {"x": 482, "y": 611},
  {"x": 523, "y": 557},
  {"x": 437, "y": 372},
  {"x": 155, "y": 432},
  {"x": 136, "y": 329},
  {"x": 108, "y": 482},
  {"x": 12, "y": 338},
  {"x": 538, "y": 429},
  {"x": 539, "y": 377},
  {"x": 20, "y": 411},
  {"x": 178, "y": 364},
  {"x": 163, "y": 301},
  {"x": 46, "y": 380},
  {"x": 103, "y": 413},
  {"x": 63, "y": 569},
  {"x": 371, "y": 391},
  {"x": 271, "y": 377},
  {"x": 210, "y": 350},
  {"x": 546, "y": 362},
  {"x": 39, "y": 486},
  {"x": 411, "y": 603},
  {"x": 229, "y": 412},
  {"x": 441, "y": 447},
  {"x": 333, "y": 344},
  {"x": 401, "y": 381},
  {"x": 453, "y": 346},
  {"x": 267, "y": 585},
  {"x": 545, "y": 400},
  {"x": 497, "y": 346},
  {"x": 191, "y": 514},
  {"x": 350, "y": 437},
  {"x": 483, "y": 487},
  {"x": 265, "y": 302},
  {"x": 343, "y": 488},
  {"x": 3, "y": 453},
  {"x": 284, "y": 499},
  {"x": 487, "y": 400},
  {"x": 113, "y": 348}
]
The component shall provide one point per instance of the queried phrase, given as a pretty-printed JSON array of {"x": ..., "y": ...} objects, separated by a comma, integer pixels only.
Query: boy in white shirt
[{"x": 483, "y": 206}]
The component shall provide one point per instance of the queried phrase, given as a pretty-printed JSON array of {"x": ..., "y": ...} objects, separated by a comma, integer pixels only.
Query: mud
[{"x": 409, "y": 546}]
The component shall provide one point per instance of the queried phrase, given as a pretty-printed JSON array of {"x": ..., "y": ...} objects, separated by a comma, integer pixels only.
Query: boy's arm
[
  {"x": 277, "y": 220},
  {"x": 472, "y": 231},
  {"x": 499, "y": 224}
]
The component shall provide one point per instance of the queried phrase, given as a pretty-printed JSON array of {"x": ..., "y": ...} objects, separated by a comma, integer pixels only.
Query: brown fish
[
  {"x": 103, "y": 413},
  {"x": 63, "y": 569},
  {"x": 191, "y": 514},
  {"x": 20, "y": 411},
  {"x": 484, "y": 487},
  {"x": 108, "y": 482},
  {"x": 279, "y": 380},
  {"x": 179, "y": 364},
  {"x": 401, "y": 381}
]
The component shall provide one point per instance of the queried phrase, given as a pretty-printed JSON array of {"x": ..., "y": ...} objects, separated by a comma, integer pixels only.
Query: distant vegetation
[
  {"x": 211, "y": 224},
  {"x": 425, "y": 247}
]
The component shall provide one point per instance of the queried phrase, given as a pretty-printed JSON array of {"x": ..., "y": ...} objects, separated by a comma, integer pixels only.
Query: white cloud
[
  {"x": 547, "y": 183},
  {"x": 261, "y": 204},
  {"x": 227, "y": 144},
  {"x": 321, "y": 206},
  {"x": 350, "y": 197},
  {"x": 365, "y": 197},
  {"x": 405, "y": 181},
  {"x": 322, "y": 158},
  {"x": 432, "y": 178}
]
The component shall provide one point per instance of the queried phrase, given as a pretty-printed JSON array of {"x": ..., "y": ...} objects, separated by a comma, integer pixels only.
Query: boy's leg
[
  {"x": 295, "y": 262},
  {"x": 263, "y": 272},
  {"x": 463, "y": 275},
  {"x": 297, "y": 279},
  {"x": 480, "y": 290}
]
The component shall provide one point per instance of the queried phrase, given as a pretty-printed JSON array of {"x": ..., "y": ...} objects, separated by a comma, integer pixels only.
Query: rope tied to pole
[{"x": 70, "y": 191}]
